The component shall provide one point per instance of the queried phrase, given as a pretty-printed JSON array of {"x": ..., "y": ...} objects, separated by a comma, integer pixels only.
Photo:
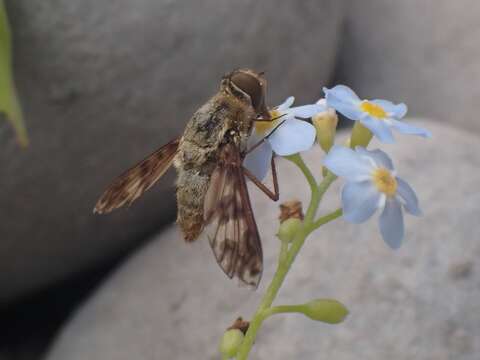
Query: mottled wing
[
  {"x": 232, "y": 230},
  {"x": 134, "y": 182}
]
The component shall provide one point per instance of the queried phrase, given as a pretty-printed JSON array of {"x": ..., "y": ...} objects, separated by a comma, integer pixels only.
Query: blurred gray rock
[
  {"x": 103, "y": 83},
  {"x": 425, "y": 53},
  {"x": 171, "y": 300}
]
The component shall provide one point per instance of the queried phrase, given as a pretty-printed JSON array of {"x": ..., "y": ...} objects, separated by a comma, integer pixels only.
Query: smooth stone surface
[
  {"x": 171, "y": 300},
  {"x": 424, "y": 53},
  {"x": 104, "y": 83}
]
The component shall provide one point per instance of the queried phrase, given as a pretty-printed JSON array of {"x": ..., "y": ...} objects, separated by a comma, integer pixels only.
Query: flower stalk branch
[
  {"x": 327, "y": 218},
  {"x": 288, "y": 254}
]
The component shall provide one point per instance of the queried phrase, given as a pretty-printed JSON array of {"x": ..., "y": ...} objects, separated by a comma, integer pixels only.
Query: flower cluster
[
  {"x": 371, "y": 181},
  {"x": 371, "y": 186}
]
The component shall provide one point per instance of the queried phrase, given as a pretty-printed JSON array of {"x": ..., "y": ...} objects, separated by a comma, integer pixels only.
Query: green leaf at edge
[{"x": 9, "y": 104}]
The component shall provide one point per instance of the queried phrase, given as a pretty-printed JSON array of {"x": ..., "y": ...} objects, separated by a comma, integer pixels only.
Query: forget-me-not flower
[
  {"x": 372, "y": 185},
  {"x": 286, "y": 135},
  {"x": 379, "y": 116}
]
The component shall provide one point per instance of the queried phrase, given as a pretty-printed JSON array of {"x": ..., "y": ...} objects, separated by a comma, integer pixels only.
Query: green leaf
[{"x": 9, "y": 104}]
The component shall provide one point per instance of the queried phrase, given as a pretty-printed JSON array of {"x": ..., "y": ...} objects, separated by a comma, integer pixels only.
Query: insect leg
[
  {"x": 265, "y": 138},
  {"x": 275, "y": 194}
]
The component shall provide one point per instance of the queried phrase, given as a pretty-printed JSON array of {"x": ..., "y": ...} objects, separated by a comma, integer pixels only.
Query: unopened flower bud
[
  {"x": 361, "y": 136},
  {"x": 289, "y": 229},
  {"x": 325, "y": 310},
  {"x": 325, "y": 123},
  {"x": 231, "y": 342}
]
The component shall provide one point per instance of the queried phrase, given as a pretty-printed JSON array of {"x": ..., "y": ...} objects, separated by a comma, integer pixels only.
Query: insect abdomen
[{"x": 191, "y": 189}]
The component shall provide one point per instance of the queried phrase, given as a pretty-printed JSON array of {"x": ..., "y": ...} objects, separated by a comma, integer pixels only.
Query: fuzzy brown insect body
[
  {"x": 224, "y": 119},
  {"x": 211, "y": 187}
]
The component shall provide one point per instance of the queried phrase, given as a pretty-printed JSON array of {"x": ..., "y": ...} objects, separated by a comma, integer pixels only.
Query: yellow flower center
[
  {"x": 384, "y": 181},
  {"x": 373, "y": 109},
  {"x": 263, "y": 127}
]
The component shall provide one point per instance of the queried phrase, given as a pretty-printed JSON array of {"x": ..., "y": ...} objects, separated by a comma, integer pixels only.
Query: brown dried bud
[
  {"x": 291, "y": 210},
  {"x": 240, "y": 324}
]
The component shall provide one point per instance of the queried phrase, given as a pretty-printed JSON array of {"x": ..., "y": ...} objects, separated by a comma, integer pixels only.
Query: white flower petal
[
  {"x": 286, "y": 104},
  {"x": 323, "y": 102},
  {"x": 379, "y": 128},
  {"x": 343, "y": 92},
  {"x": 258, "y": 161},
  {"x": 391, "y": 223},
  {"x": 344, "y": 100},
  {"x": 359, "y": 201},
  {"x": 292, "y": 136},
  {"x": 380, "y": 158},
  {"x": 408, "y": 195},
  {"x": 306, "y": 111},
  {"x": 409, "y": 129},
  {"x": 345, "y": 162},
  {"x": 397, "y": 111}
]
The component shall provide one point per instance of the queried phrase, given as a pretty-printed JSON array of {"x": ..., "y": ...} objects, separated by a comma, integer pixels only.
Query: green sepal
[
  {"x": 361, "y": 136},
  {"x": 230, "y": 343},
  {"x": 289, "y": 229}
]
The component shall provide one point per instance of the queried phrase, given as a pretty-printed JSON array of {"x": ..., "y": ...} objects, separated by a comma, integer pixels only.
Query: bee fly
[{"x": 211, "y": 186}]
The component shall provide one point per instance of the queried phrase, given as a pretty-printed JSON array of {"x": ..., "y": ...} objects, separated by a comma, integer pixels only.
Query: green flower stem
[
  {"x": 315, "y": 198},
  {"x": 325, "y": 219},
  {"x": 288, "y": 255},
  {"x": 283, "y": 252},
  {"x": 284, "y": 309}
]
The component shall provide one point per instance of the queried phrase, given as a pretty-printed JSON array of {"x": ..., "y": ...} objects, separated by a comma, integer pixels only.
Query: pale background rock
[
  {"x": 103, "y": 83},
  {"x": 423, "y": 52},
  {"x": 171, "y": 301}
]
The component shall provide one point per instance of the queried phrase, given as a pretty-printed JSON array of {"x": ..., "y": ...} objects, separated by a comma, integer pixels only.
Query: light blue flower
[
  {"x": 379, "y": 116},
  {"x": 372, "y": 185},
  {"x": 285, "y": 136}
]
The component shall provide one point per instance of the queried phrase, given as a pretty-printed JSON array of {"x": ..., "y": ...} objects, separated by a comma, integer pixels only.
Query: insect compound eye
[{"x": 250, "y": 85}]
